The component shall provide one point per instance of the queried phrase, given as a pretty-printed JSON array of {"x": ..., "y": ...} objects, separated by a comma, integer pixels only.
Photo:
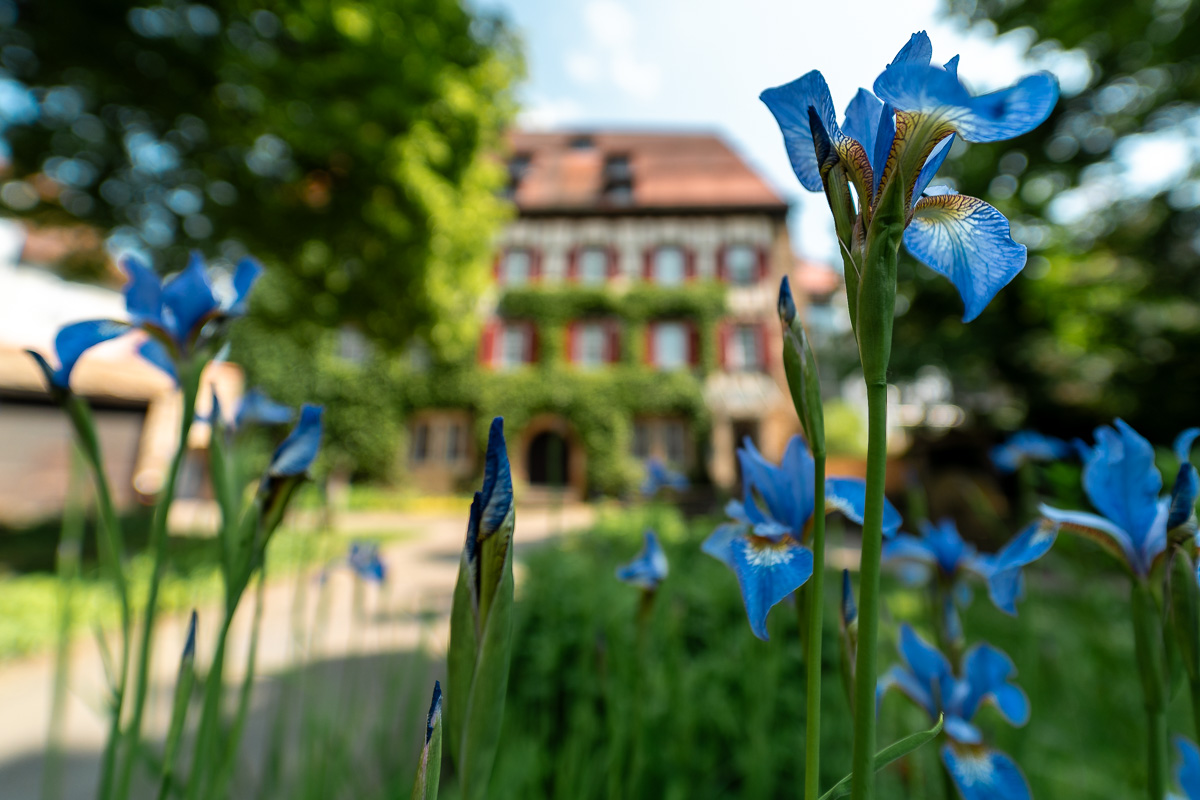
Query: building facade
[{"x": 641, "y": 270}]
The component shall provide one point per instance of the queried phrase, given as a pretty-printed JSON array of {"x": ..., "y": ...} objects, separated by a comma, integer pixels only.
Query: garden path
[{"x": 409, "y": 613}]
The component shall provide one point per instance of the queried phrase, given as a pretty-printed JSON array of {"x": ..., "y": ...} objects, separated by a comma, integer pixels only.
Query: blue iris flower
[
  {"x": 660, "y": 476},
  {"x": 941, "y": 547},
  {"x": 72, "y": 342},
  {"x": 366, "y": 562},
  {"x": 1188, "y": 774},
  {"x": 926, "y": 678},
  {"x": 174, "y": 313},
  {"x": 1123, "y": 484},
  {"x": 297, "y": 452},
  {"x": 258, "y": 409},
  {"x": 764, "y": 544},
  {"x": 648, "y": 568},
  {"x": 1026, "y": 446},
  {"x": 900, "y": 135}
]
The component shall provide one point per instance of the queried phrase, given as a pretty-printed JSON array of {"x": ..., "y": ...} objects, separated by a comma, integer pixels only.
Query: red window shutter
[
  {"x": 614, "y": 262},
  {"x": 764, "y": 258},
  {"x": 723, "y": 345},
  {"x": 650, "y": 343},
  {"x": 614, "y": 342},
  {"x": 573, "y": 264},
  {"x": 571, "y": 342},
  {"x": 648, "y": 264},
  {"x": 689, "y": 264},
  {"x": 533, "y": 343},
  {"x": 693, "y": 344},
  {"x": 535, "y": 266},
  {"x": 764, "y": 342},
  {"x": 487, "y": 342}
]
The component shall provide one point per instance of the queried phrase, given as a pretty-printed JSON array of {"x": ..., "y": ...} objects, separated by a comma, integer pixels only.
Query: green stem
[
  {"x": 112, "y": 553},
  {"x": 1194, "y": 687},
  {"x": 210, "y": 713},
  {"x": 1148, "y": 643},
  {"x": 234, "y": 737},
  {"x": 158, "y": 542},
  {"x": 816, "y": 594},
  {"x": 863, "y": 757}
]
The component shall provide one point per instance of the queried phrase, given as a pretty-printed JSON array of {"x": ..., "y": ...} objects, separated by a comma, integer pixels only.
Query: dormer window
[
  {"x": 518, "y": 166},
  {"x": 581, "y": 142},
  {"x": 618, "y": 180}
]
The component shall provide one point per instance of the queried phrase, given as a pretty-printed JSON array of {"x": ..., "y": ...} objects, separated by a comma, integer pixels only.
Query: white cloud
[
  {"x": 638, "y": 78},
  {"x": 584, "y": 68},
  {"x": 609, "y": 23}
]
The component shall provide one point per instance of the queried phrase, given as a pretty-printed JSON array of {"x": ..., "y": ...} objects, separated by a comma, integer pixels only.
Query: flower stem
[
  {"x": 815, "y": 605},
  {"x": 863, "y": 758},
  {"x": 1148, "y": 643},
  {"x": 189, "y": 386}
]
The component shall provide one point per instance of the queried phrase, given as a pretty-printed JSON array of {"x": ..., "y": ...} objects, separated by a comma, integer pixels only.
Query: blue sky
[{"x": 700, "y": 65}]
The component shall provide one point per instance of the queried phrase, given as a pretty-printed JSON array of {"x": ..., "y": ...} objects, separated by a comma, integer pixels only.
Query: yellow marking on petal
[
  {"x": 858, "y": 167},
  {"x": 764, "y": 552},
  {"x": 916, "y": 136}
]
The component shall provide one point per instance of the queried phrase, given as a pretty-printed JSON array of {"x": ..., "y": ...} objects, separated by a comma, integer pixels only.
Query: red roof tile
[{"x": 669, "y": 171}]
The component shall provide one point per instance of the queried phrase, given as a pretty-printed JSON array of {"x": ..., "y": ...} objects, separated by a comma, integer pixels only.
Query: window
[
  {"x": 741, "y": 265},
  {"x": 518, "y": 166},
  {"x": 590, "y": 344},
  {"x": 420, "y": 443},
  {"x": 515, "y": 346},
  {"x": 670, "y": 345},
  {"x": 454, "y": 442},
  {"x": 674, "y": 441},
  {"x": 618, "y": 180},
  {"x": 516, "y": 268},
  {"x": 745, "y": 348},
  {"x": 668, "y": 267},
  {"x": 582, "y": 142},
  {"x": 641, "y": 439},
  {"x": 593, "y": 266}
]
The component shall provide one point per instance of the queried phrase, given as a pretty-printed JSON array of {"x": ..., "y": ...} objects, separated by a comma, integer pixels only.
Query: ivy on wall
[{"x": 368, "y": 403}]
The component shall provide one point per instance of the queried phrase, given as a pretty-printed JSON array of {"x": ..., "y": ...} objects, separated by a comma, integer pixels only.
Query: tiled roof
[{"x": 575, "y": 171}]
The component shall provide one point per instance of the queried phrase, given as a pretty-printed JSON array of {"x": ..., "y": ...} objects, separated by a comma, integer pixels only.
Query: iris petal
[
  {"x": 1188, "y": 773},
  {"x": 258, "y": 409},
  {"x": 986, "y": 675},
  {"x": 1187, "y": 481},
  {"x": 187, "y": 299},
  {"x": 497, "y": 488},
  {"x": 967, "y": 241},
  {"x": 296, "y": 453},
  {"x": 1005, "y": 585},
  {"x": 156, "y": 353},
  {"x": 993, "y": 117},
  {"x": 143, "y": 293},
  {"x": 924, "y": 660},
  {"x": 849, "y": 496},
  {"x": 648, "y": 568},
  {"x": 917, "y": 50},
  {"x": 884, "y": 136},
  {"x": 74, "y": 340},
  {"x": 1122, "y": 481},
  {"x": 907, "y": 547},
  {"x": 899, "y": 678},
  {"x": 862, "y": 120},
  {"x": 1096, "y": 528},
  {"x": 767, "y": 572},
  {"x": 984, "y": 774},
  {"x": 790, "y": 103},
  {"x": 962, "y": 731},
  {"x": 932, "y": 165},
  {"x": 245, "y": 275}
]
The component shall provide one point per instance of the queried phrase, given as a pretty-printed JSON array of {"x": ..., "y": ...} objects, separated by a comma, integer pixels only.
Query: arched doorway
[{"x": 548, "y": 457}]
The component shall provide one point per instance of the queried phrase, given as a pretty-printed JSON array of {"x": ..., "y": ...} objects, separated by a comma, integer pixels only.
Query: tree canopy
[
  {"x": 348, "y": 145},
  {"x": 1106, "y": 316}
]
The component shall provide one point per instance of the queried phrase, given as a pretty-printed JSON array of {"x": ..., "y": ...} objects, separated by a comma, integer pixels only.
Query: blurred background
[{"x": 575, "y": 215}]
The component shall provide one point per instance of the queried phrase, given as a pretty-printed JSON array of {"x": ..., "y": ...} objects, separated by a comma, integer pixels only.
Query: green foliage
[
  {"x": 721, "y": 714},
  {"x": 1104, "y": 320},
  {"x": 342, "y": 143}
]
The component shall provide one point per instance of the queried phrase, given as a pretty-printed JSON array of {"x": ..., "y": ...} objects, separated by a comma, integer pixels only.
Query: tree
[
  {"x": 348, "y": 145},
  {"x": 1105, "y": 319}
]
